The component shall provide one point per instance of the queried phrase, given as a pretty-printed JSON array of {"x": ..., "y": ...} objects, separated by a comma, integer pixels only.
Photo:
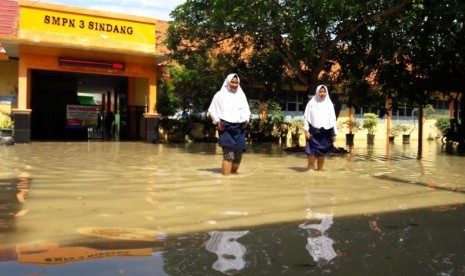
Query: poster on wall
[{"x": 82, "y": 115}]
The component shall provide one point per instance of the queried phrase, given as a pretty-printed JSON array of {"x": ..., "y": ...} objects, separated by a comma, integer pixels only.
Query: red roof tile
[
  {"x": 160, "y": 35},
  {"x": 9, "y": 12}
]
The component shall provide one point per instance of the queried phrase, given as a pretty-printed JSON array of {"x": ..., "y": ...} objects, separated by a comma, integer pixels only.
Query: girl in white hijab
[
  {"x": 320, "y": 127},
  {"x": 230, "y": 112}
]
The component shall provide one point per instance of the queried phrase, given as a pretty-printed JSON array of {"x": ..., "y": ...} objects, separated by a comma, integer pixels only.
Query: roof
[
  {"x": 9, "y": 13},
  {"x": 160, "y": 36}
]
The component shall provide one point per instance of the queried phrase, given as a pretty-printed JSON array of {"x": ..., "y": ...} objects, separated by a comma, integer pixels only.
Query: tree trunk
[{"x": 461, "y": 126}]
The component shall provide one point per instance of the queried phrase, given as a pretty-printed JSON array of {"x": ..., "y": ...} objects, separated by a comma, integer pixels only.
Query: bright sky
[{"x": 159, "y": 9}]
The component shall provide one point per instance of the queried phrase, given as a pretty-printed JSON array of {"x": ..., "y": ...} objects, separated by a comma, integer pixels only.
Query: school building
[
  {"x": 67, "y": 70},
  {"x": 71, "y": 73}
]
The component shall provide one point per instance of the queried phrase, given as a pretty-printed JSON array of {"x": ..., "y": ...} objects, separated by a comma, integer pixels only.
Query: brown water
[{"x": 132, "y": 208}]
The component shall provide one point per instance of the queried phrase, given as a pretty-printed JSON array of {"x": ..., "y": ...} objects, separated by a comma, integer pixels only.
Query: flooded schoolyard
[{"x": 133, "y": 208}]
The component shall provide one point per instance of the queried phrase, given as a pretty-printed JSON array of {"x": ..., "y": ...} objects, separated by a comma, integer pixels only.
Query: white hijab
[
  {"x": 228, "y": 105},
  {"x": 320, "y": 112}
]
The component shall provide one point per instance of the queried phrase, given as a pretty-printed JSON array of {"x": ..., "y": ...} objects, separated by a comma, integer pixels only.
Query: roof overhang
[
  {"x": 9, "y": 47},
  {"x": 44, "y": 26}
]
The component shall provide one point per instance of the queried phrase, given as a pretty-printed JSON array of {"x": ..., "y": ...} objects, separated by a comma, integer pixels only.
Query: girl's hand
[
  {"x": 334, "y": 139},
  {"x": 307, "y": 135},
  {"x": 220, "y": 126}
]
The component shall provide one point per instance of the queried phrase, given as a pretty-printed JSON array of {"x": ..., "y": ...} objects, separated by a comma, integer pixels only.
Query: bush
[
  {"x": 397, "y": 129},
  {"x": 271, "y": 128},
  {"x": 346, "y": 124},
  {"x": 428, "y": 110},
  {"x": 168, "y": 104},
  {"x": 264, "y": 130},
  {"x": 177, "y": 128},
  {"x": 442, "y": 125},
  {"x": 370, "y": 122},
  {"x": 6, "y": 121}
]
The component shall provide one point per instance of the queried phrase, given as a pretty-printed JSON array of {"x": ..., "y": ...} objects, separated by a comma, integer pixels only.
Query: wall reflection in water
[
  {"x": 95, "y": 258},
  {"x": 54, "y": 254},
  {"x": 229, "y": 251},
  {"x": 319, "y": 246},
  {"x": 13, "y": 194},
  {"x": 104, "y": 208}
]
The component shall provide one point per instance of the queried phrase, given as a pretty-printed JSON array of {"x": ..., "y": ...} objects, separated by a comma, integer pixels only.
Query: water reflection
[
  {"x": 319, "y": 245},
  {"x": 120, "y": 233},
  {"x": 54, "y": 254},
  {"x": 96, "y": 258},
  {"x": 13, "y": 195},
  {"x": 229, "y": 251},
  {"x": 393, "y": 213}
]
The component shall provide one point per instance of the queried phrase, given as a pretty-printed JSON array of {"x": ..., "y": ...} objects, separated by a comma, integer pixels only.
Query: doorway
[{"x": 53, "y": 92}]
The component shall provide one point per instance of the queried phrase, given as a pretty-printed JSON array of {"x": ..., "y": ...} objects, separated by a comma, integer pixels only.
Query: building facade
[{"x": 65, "y": 70}]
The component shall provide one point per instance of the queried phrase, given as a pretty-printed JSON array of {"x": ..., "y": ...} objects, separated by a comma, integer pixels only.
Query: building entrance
[{"x": 77, "y": 106}]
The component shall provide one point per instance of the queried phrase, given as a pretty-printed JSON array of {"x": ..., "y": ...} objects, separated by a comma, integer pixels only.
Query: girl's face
[
  {"x": 234, "y": 84},
  {"x": 322, "y": 93}
]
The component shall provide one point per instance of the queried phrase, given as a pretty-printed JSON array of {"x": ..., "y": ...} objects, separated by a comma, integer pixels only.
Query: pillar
[
  {"x": 152, "y": 118},
  {"x": 22, "y": 114}
]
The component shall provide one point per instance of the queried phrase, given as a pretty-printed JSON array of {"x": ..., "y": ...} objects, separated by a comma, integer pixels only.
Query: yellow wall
[
  {"x": 49, "y": 32},
  {"x": 141, "y": 88},
  {"x": 9, "y": 78},
  {"x": 31, "y": 58},
  {"x": 429, "y": 130},
  {"x": 55, "y": 24}
]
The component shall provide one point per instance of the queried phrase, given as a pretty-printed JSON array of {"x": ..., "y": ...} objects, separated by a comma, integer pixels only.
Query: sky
[{"x": 159, "y": 9}]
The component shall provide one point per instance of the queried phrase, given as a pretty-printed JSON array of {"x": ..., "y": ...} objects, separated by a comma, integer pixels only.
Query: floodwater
[{"x": 133, "y": 208}]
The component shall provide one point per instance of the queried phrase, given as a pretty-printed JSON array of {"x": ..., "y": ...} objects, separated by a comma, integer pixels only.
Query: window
[
  {"x": 291, "y": 107},
  {"x": 295, "y": 101}
]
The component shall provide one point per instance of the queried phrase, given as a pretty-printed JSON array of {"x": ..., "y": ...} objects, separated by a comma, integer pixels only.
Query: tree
[
  {"x": 301, "y": 37},
  {"x": 187, "y": 88},
  {"x": 430, "y": 54}
]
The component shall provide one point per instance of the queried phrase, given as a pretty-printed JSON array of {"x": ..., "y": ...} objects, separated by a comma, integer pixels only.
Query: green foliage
[
  {"x": 273, "y": 126},
  {"x": 370, "y": 122},
  {"x": 428, "y": 110},
  {"x": 261, "y": 130},
  {"x": 414, "y": 47},
  {"x": 426, "y": 52},
  {"x": 192, "y": 87},
  {"x": 280, "y": 126},
  {"x": 177, "y": 129},
  {"x": 6, "y": 121},
  {"x": 294, "y": 40},
  {"x": 397, "y": 129},
  {"x": 346, "y": 125},
  {"x": 167, "y": 104},
  {"x": 442, "y": 125}
]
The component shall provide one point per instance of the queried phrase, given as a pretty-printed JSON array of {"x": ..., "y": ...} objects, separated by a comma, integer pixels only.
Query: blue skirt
[
  {"x": 233, "y": 136},
  {"x": 320, "y": 142}
]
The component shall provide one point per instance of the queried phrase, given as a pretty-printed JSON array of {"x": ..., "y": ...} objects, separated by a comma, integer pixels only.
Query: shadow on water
[
  {"x": 418, "y": 242},
  {"x": 136, "y": 209},
  {"x": 418, "y": 183},
  {"x": 299, "y": 169},
  {"x": 212, "y": 170}
]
